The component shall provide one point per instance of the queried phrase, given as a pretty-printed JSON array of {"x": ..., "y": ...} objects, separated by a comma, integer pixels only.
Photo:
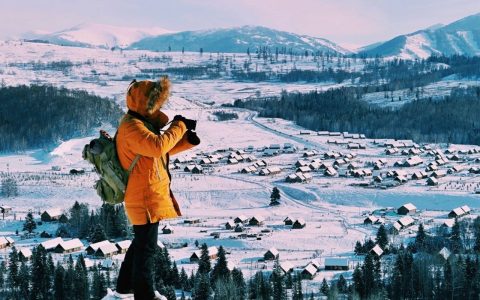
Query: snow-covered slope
[
  {"x": 237, "y": 39},
  {"x": 460, "y": 37},
  {"x": 96, "y": 35}
]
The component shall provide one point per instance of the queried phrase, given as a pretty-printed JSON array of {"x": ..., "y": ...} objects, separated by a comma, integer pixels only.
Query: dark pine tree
[
  {"x": 169, "y": 292},
  {"x": 40, "y": 274},
  {"x": 29, "y": 224},
  {"x": 175, "y": 276},
  {"x": 324, "y": 288},
  {"x": 3, "y": 271},
  {"x": 70, "y": 279},
  {"x": 368, "y": 275},
  {"x": 456, "y": 239},
  {"x": 24, "y": 287},
  {"x": 81, "y": 284},
  {"x": 239, "y": 282},
  {"x": 98, "y": 234},
  {"x": 279, "y": 288},
  {"x": 184, "y": 280},
  {"x": 342, "y": 284},
  {"x": 204, "y": 265},
  {"x": 358, "y": 248},
  {"x": 358, "y": 284},
  {"x": 220, "y": 270},
  {"x": 13, "y": 278},
  {"x": 448, "y": 281},
  {"x": 275, "y": 196},
  {"x": 202, "y": 290},
  {"x": 420, "y": 238},
  {"x": 59, "y": 283},
  {"x": 382, "y": 237}
]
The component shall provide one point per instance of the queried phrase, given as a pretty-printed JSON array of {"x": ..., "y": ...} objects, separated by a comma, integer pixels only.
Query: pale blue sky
[{"x": 347, "y": 22}]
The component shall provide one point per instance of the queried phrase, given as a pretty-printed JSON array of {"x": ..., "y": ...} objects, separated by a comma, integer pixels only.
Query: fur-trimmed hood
[{"x": 147, "y": 97}]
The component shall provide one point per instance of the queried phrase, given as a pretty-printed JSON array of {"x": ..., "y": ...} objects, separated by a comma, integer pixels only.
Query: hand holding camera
[{"x": 190, "y": 124}]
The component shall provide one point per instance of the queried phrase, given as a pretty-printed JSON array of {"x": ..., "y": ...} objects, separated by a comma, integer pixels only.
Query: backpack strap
[
  {"x": 134, "y": 162},
  {"x": 145, "y": 121}
]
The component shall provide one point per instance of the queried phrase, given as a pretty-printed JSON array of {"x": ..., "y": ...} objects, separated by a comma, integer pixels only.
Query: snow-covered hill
[
  {"x": 96, "y": 35},
  {"x": 238, "y": 40},
  {"x": 460, "y": 37}
]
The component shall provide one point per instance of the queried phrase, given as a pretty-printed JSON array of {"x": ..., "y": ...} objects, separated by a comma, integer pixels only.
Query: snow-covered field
[{"x": 333, "y": 207}]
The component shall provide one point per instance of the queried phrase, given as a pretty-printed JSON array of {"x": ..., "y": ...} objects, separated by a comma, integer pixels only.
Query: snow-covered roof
[
  {"x": 400, "y": 173},
  {"x": 89, "y": 262},
  {"x": 315, "y": 263},
  {"x": 304, "y": 169},
  {"x": 241, "y": 218},
  {"x": 71, "y": 244},
  {"x": 124, "y": 244},
  {"x": 97, "y": 245},
  {"x": 167, "y": 227},
  {"x": 212, "y": 251},
  {"x": 445, "y": 253},
  {"x": 372, "y": 219},
  {"x": 409, "y": 206},
  {"x": 53, "y": 212},
  {"x": 458, "y": 211},
  {"x": 466, "y": 209},
  {"x": 274, "y": 169},
  {"x": 397, "y": 225},
  {"x": 449, "y": 223},
  {"x": 310, "y": 269},
  {"x": 26, "y": 252},
  {"x": 108, "y": 248},
  {"x": 377, "y": 250},
  {"x": 273, "y": 251},
  {"x": 414, "y": 160},
  {"x": 259, "y": 218},
  {"x": 50, "y": 244},
  {"x": 3, "y": 241},
  {"x": 300, "y": 221},
  {"x": 406, "y": 221},
  {"x": 286, "y": 266}
]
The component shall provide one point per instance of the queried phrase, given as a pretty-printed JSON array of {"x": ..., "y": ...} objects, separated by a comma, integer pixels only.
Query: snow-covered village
[{"x": 320, "y": 170}]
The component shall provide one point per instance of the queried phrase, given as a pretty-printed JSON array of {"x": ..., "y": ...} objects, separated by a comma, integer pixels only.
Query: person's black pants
[{"x": 137, "y": 268}]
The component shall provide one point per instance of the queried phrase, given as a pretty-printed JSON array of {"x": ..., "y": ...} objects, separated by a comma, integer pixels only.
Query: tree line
[
  {"x": 39, "y": 116},
  {"x": 453, "y": 119}
]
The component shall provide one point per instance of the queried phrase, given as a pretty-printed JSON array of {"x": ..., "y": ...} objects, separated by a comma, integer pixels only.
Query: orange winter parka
[{"x": 148, "y": 198}]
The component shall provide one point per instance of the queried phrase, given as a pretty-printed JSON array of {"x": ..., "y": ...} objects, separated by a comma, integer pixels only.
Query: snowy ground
[{"x": 333, "y": 208}]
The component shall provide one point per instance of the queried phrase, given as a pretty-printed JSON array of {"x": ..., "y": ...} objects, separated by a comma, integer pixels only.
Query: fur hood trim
[{"x": 146, "y": 97}]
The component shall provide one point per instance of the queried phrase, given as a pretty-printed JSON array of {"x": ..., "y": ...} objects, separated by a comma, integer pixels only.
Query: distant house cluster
[{"x": 330, "y": 166}]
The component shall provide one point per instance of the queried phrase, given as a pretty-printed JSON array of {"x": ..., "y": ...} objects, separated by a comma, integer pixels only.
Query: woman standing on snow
[{"x": 148, "y": 198}]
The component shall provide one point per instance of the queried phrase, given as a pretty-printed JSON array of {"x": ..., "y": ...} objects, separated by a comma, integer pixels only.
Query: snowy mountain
[
  {"x": 96, "y": 35},
  {"x": 237, "y": 39},
  {"x": 460, "y": 37}
]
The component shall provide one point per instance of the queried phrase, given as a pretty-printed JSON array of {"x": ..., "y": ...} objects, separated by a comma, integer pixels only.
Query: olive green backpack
[{"x": 102, "y": 153}]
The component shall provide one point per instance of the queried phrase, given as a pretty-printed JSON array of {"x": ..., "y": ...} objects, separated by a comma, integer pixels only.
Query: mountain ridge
[
  {"x": 96, "y": 35},
  {"x": 459, "y": 37},
  {"x": 237, "y": 39}
]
